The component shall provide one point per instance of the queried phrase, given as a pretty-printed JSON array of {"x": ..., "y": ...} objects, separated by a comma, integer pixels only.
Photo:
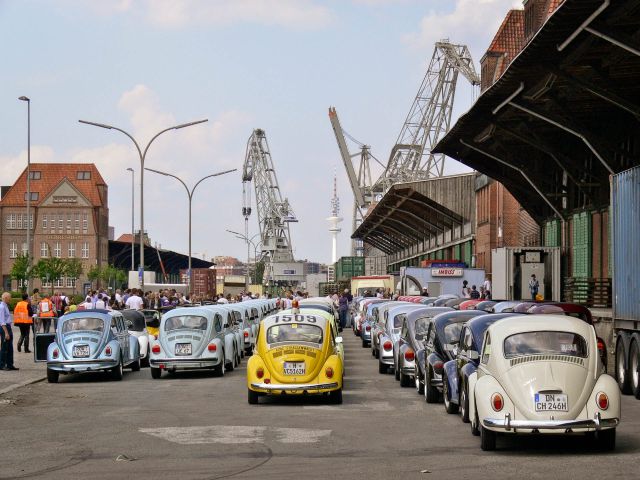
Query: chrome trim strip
[
  {"x": 294, "y": 386},
  {"x": 507, "y": 424}
]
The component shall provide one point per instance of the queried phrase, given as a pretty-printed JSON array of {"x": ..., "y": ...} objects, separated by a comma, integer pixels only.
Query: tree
[
  {"x": 74, "y": 270},
  {"x": 21, "y": 272},
  {"x": 259, "y": 272},
  {"x": 50, "y": 269},
  {"x": 94, "y": 274}
]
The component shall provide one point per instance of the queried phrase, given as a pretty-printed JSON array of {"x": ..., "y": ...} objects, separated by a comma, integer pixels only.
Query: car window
[
  {"x": 422, "y": 325},
  {"x": 138, "y": 323},
  {"x": 467, "y": 339},
  {"x": 218, "y": 322},
  {"x": 432, "y": 333},
  {"x": 294, "y": 332},
  {"x": 486, "y": 348},
  {"x": 188, "y": 322},
  {"x": 545, "y": 343},
  {"x": 405, "y": 330},
  {"x": 114, "y": 325},
  {"x": 120, "y": 324},
  {"x": 83, "y": 324},
  {"x": 397, "y": 321},
  {"x": 452, "y": 332}
]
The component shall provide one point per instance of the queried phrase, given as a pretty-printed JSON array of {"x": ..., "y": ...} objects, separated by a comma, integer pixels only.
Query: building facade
[{"x": 69, "y": 218}]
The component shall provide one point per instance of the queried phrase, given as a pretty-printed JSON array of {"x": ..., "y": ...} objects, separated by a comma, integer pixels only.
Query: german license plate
[
  {"x": 81, "y": 351},
  {"x": 294, "y": 368},
  {"x": 183, "y": 349},
  {"x": 550, "y": 402}
]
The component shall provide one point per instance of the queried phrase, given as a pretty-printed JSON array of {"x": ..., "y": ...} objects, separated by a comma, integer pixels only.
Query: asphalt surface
[{"x": 195, "y": 426}]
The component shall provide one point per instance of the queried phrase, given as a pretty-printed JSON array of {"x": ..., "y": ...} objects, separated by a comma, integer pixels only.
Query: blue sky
[{"x": 273, "y": 64}]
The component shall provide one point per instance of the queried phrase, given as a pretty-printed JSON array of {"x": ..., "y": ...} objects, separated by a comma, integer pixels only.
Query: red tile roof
[
  {"x": 509, "y": 38},
  {"x": 51, "y": 175},
  {"x": 552, "y": 6},
  {"x": 125, "y": 238}
]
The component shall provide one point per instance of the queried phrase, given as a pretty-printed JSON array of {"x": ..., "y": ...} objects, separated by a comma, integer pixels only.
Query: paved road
[{"x": 194, "y": 426}]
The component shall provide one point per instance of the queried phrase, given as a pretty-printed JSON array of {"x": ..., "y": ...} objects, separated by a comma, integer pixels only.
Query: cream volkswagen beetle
[{"x": 542, "y": 374}]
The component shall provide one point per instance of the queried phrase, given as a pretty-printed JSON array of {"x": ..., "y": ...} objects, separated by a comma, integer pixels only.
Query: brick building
[{"x": 69, "y": 219}]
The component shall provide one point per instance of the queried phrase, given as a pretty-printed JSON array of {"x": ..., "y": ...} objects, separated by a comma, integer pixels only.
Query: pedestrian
[
  {"x": 23, "y": 318},
  {"x": 466, "y": 293},
  {"x": 6, "y": 334},
  {"x": 135, "y": 301},
  {"x": 474, "y": 294},
  {"x": 46, "y": 311},
  {"x": 534, "y": 285},
  {"x": 100, "y": 302},
  {"x": 343, "y": 309},
  {"x": 486, "y": 285},
  {"x": 425, "y": 292}
]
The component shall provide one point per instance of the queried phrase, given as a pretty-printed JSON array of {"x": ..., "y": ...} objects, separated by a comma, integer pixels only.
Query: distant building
[{"x": 69, "y": 218}]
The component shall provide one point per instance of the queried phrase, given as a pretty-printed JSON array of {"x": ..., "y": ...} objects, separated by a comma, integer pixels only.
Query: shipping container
[
  {"x": 625, "y": 241},
  {"x": 347, "y": 267}
]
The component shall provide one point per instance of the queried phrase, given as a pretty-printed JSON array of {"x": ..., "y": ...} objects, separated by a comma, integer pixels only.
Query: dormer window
[
  {"x": 34, "y": 196},
  {"x": 35, "y": 175},
  {"x": 84, "y": 175}
]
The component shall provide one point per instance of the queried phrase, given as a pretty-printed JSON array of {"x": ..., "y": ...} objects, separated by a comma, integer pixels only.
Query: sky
[{"x": 278, "y": 65}]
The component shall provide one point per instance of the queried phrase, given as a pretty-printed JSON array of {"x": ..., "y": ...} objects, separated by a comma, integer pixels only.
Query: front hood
[
  {"x": 522, "y": 381},
  {"x": 312, "y": 357}
]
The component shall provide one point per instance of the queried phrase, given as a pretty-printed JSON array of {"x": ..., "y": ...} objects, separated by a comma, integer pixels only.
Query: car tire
[
  {"x": 487, "y": 439},
  {"x": 156, "y": 373},
  {"x": 219, "y": 370},
  {"x": 248, "y": 352},
  {"x": 117, "y": 372},
  {"x": 377, "y": 353},
  {"x": 135, "y": 366},
  {"x": 364, "y": 343},
  {"x": 382, "y": 368},
  {"x": 606, "y": 440},
  {"x": 449, "y": 406},
  {"x": 52, "y": 376},
  {"x": 464, "y": 404},
  {"x": 419, "y": 384},
  {"x": 634, "y": 368},
  {"x": 252, "y": 397},
  {"x": 396, "y": 372},
  {"x": 144, "y": 363},
  {"x": 231, "y": 365},
  {"x": 335, "y": 397},
  {"x": 431, "y": 393},
  {"x": 622, "y": 370},
  {"x": 405, "y": 380},
  {"x": 474, "y": 427}
]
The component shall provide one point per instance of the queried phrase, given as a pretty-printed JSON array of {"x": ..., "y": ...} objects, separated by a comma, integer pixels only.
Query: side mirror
[
  {"x": 473, "y": 355},
  {"x": 338, "y": 340}
]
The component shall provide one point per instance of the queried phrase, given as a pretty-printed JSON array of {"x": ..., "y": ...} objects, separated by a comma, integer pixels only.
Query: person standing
[
  {"x": 474, "y": 294},
  {"x": 343, "y": 309},
  {"x": 46, "y": 311},
  {"x": 534, "y": 286},
  {"x": 466, "y": 292},
  {"x": 23, "y": 318},
  {"x": 6, "y": 334},
  {"x": 486, "y": 285}
]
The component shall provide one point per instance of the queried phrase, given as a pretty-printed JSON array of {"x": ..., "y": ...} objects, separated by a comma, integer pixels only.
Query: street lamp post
[
  {"x": 255, "y": 249},
  {"x": 190, "y": 195},
  {"x": 133, "y": 232},
  {"x": 28, "y": 100},
  {"x": 142, "y": 154}
]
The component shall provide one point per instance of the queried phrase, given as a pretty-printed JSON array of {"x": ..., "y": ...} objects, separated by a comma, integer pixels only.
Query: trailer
[{"x": 625, "y": 242}]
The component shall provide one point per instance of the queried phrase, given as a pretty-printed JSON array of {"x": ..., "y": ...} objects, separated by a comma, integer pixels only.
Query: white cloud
[
  {"x": 12, "y": 166},
  {"x": 473, "y": 22}
]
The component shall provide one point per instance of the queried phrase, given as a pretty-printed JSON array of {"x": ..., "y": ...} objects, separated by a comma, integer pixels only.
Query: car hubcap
[
  {"x": 462, "y": 402},
  {"x": 634, "y": 366},
  {"x": 620, "y": 366}
]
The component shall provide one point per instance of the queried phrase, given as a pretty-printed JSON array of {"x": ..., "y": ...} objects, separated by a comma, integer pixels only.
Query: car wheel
[
  {"x": 464, "y": 404},
  {"x": 396, "y": 371},
  {"x": 382, "y": 368},
  {"x": 405, "y": 380},
  {"x": 622, "y": 373},
  {"x": 364, "y": 343},
  {"x": 230, "y": 365},
  {"x": 219, "y": 370},
  {"x": 606, "y": 439},
  {"x": 335, "y": 397},
  {"x": 488, "y": 439},
  {"x": 377, "y": 353},
  {"x": 135, "y": 366},
  {"x": 252, "y": 397},
  {"x": 431, "y": 393},
  {"x": 449, "y": 406},
  {"x": 474, "y": 424},
  {"x": 248, "y": 352},
  {"x": 144, "y": 363},
  {"x": 156, "y": 373},
  {"x": 117, "y": 372},
  {"x": 52, "y": 376},
  {"x": 419, "y": 384},
  {"x": 634, "y": 365}
]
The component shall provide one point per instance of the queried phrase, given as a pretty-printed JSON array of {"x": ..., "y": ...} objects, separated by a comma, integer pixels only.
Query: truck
[
  {"x": 625, "y": 249},
  {"x": 439, "y": 279},
  {"x": 359, "y": 285}
]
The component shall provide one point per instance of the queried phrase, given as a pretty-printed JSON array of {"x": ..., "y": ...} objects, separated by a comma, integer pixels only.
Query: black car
[{"x": 444, "y": 329}]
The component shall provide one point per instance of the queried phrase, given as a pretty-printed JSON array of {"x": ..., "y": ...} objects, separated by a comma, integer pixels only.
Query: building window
[
  {"x": 24, "y": 248},
  {"x": 34, "y": 196},
  {"x": 71, "y": 282},
  {"x": 85, "y": 223},
  {"x": 59, "y": 283},
  {"x": 13, "y": 250},
  {"x": 45, "y": 221},
  {"x": 35, "y": 175},
  {"x": 68, "y": 223},
  {"x": 85, "y": 250},
  {"x": 57, "y": 250},
  {"x": 11, "y": 221},
  {"x": 60, "y": 223},
  {"x": 31, "y": 221},
  {"x": 77, "y": 223},
  {"x": 83, "y": 175},
  {"x": 46, "y": 283},
  {"x": 72, "y": 250},
  {"x": 44, "y": 250},
  {"x": 19, "y": 222}
]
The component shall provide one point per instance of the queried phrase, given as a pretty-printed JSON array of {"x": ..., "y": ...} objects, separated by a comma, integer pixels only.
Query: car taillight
[
  {"x": 602, "y": 400},
  {"x": 56, "y": 353},
  {"x": 497, "y": 402},
  {"x": 107, "y": 351},
  {"x": 267, "y": 380},
  {"x": 409, "y": 355},
  {"x": 260, "y": 372},
  {"x": 212, "y": 347},
  {"x": 438, "y": 365},
  {"x": 329, "y": 372},
  {"x": 368, "y": 328},
  {"x": 246, "y": 334},
  {"x": 155, "y": 348},
  {"x": 600, "y": 345},
  {"x": 387, "y": 346}
]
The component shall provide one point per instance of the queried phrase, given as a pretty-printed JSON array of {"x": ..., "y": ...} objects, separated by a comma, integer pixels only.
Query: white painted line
[{"x": 300, "y": 435}]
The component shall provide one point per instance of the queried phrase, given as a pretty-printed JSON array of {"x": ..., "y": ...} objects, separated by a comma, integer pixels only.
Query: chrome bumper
[
  {"x": 171, "y": 363},
  {"x": 305, "y": 387},
  {"x": 507, "y": 424},
  {"x": 84, "y": 365},
  {"x": 408, "y": 370}
]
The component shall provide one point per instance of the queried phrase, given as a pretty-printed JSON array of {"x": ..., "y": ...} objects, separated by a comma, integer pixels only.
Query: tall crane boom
[{"x": 274, "y": 211}]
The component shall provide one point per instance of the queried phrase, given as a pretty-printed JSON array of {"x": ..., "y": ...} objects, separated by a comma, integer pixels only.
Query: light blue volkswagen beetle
[{"x": 90, "y": 341}]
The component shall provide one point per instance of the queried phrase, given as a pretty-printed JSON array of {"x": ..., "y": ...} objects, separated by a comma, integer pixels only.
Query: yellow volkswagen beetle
[{"x": 296, "y": 354}]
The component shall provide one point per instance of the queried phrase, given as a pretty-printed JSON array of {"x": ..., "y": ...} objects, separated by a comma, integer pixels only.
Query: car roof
[
  {"x": 537, "y": 323},
  {"x": 269, "y": 321},
  {"x": 94, "y": 312},
  {"x": 205, "y": 311},
  {"x": 427, "y": 312},
  {"x": 400, "y": 309},
  {"x": 478, "y": 325},
  {"x": 455, "y": 317}
]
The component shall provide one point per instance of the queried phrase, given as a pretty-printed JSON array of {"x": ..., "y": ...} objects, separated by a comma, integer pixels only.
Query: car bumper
[
  {"x": 295, "y": 388},
  {"x": 411, "y": 371},
  {"x": 366, "y": 336},
  {"x": 77, "y": 366},
  {"x": 183, "y": 363},
  {"x": 387, "y": 360},
  {"x": 506, "y": 424}
]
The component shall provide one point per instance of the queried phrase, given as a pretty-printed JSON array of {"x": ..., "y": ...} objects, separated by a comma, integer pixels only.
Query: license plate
[
  {"x": 551, "y": 402},
  {"x": 81, "y": 350},
  {"x": 183, "y": 349},
  {"x": 294, "y": 368}
]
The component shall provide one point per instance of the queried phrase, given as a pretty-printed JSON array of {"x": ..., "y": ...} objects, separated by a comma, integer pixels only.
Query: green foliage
[
  {"x": 20, "y": 270},
  {"x": 112, "y": 276},
  {"x": 259, "y": 273},
  {"x": 50, "y": 269}
]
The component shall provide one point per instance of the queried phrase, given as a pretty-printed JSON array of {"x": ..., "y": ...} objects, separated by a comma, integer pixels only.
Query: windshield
[
  {"x": 190, "y": 322},
  {"x": 78, "y": 324},
  {"x": 422, "y": 325},
  {"x": 294, "y": 332},
  {"x": 136, "y": 319},
  {"x": 452, "y": 332},
  {"x": 543, "y": 343}
]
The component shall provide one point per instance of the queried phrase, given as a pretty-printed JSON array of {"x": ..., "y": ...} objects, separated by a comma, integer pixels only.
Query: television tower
[{"x": 334, "y": 220}]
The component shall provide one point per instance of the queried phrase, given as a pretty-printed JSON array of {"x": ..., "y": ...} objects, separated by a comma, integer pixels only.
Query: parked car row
[{"x": 509, "y": 367}]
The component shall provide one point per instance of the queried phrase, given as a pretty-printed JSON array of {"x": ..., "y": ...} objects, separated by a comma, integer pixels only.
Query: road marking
[
  {"x": 229, "y": 434},
  {"x": 370, "y": 406}
]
